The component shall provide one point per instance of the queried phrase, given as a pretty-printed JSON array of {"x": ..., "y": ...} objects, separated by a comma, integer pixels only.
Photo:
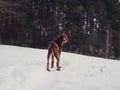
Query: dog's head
[{"x": 63, "y": 38}]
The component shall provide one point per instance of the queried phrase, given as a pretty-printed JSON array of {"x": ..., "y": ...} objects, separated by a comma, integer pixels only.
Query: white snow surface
[{"x": 25, "y": 69}]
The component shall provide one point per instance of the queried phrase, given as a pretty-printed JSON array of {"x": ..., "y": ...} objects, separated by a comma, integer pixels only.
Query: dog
[{"x": 54, "y": 50}]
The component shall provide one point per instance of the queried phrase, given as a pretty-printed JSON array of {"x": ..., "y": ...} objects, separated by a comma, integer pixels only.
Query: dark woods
[{"x": 93, "y": 26}]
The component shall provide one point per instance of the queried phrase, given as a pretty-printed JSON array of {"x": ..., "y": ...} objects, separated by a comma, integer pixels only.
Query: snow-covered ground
[{"x": 25, "y": 69}]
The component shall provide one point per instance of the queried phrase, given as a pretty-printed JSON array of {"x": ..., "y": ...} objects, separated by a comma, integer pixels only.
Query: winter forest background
[{"x": 93, "y": 26}]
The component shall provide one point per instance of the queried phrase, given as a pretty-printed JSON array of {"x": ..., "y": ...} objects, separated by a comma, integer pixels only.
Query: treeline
[{"x": 93, "y": 26}]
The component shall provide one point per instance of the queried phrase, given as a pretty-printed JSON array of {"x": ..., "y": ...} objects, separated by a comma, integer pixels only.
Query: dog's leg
[
  {"x": 52, "y": 63},
  {"x": 48, "y": 57},
  {"x": 48, "y": 63},
  {"x": 58, "y": 66},
  {"x": 57, "y": 56},
  {"x": 58, "y": 62}
]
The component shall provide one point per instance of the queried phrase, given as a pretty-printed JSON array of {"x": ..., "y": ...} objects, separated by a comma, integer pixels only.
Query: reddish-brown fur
[{"x": 54, "y": 49}]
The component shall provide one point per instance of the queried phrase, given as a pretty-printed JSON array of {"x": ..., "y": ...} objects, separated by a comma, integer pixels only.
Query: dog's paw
[
  {"x": 48, "y": 70},
  {"x": 58, "y": 69}
]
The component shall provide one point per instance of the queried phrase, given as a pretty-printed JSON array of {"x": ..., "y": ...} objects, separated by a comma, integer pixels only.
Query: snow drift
[{"x": 25, "y": 69}]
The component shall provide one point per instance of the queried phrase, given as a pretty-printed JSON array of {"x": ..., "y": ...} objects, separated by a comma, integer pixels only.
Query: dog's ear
[{"x": 65, "y": 36}]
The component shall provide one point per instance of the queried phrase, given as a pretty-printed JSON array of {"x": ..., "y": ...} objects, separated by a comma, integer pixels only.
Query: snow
[{"x": 25, "y": 69}]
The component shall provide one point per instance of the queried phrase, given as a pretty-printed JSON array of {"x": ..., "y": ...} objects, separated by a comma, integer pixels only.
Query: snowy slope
[{"x": 25, "y": 69}]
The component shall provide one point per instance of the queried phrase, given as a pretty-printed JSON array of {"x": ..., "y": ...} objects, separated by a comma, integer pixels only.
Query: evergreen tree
[{"x": 93, "y": 26}]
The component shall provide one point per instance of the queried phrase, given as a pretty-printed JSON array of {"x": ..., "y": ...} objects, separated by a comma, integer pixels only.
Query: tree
[{"x": 93, "y": 26}]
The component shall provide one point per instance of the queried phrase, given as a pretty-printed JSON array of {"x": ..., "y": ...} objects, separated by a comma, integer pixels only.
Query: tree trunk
[{"x": 108, "y": 42}]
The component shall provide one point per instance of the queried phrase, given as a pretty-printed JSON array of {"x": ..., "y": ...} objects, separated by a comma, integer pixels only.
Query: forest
[{"x": 93, "y": 26}]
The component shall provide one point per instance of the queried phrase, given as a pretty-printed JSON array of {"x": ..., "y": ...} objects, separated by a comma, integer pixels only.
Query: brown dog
[{"x": 54, "y": 49}]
